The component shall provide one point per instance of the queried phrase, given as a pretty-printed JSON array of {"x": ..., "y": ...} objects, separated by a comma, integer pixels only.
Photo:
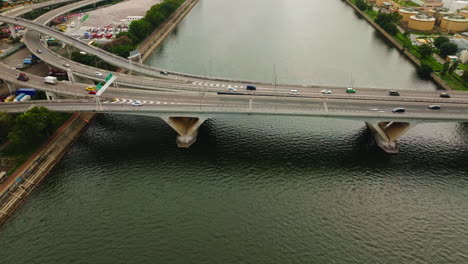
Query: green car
[{"x": 350, "y": 90}]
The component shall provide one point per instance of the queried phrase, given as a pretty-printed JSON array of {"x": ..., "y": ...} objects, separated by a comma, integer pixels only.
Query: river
[{"x": 256, "y": 189}]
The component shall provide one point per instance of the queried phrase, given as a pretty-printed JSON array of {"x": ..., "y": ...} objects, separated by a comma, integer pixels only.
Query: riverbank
[
  {"x": 152, "y": 42},
  {"x": 16, "y": 188},
  {"x": 417, "y": 62}
]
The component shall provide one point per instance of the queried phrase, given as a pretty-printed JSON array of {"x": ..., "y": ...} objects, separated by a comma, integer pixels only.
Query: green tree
[
  {"x": 388, "y": 22},
  {"x": 425, "y": 50},
  {"x": 34, "y": 125},
  {"x": 122, "y": 50},
  {"x": 6, "y": 122},
  {"x": 362, "y": 5},
  {"x": 448, "y": 48},
  {"x": 140, "y": 29},
  {"x": 424, "y": 71},
  {"x": 439, "y": 41},
  {"x": 453, "y": 67},
  {"x": 445, "y": 68}
]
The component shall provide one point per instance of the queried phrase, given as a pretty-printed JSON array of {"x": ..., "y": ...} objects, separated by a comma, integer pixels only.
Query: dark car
[
  {"x": 445, "y": 95},
  {"x": 434, "y": 107},
  {"x": 164, "y": 72},
  {"x": 92, "y": 92},
  {"x": 251, "y": 88},
  {"x": 398, "y": 110},
  {"x": 22, "y": 77},
  {"x": 394, "y": 93}
]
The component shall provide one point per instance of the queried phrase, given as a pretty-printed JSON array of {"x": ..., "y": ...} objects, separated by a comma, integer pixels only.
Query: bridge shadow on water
[{"x": 259, "y": 142}]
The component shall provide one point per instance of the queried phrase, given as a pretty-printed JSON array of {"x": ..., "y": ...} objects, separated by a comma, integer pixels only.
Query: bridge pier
[
  {"x": 50, "y": 95},
  {"x": 12, "y": 31},
  {"x": 387, "y": 133},
  {"x": 186, "y": 128}
]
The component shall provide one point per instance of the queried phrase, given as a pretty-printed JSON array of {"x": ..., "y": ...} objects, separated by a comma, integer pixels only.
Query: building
[
  {"x": 454, "y": 23},
  {"x": 421, "y": 22},
  {"x": 455, "y": 4},
  {"x": 463, "y": 12},
  {"x": 406, "y": 13}
]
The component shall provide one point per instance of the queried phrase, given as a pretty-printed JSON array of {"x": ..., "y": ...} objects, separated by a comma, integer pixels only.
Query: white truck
[{"x": 50, "y": 80}]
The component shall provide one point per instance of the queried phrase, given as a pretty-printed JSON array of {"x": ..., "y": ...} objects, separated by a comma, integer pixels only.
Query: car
[
  {"x": 445, "y": 95},
  {"x": 350, "y": 90},
  {"x": 164, "y": 72},
  {"x": 39, "y": 51},
  {"x": 19, "y": 66},
  {"x": 231, "y": 89},
  {"x": 398, "y": 110},
  {"x": 294, "y": 92},
  {"x": 66, "y": 65},
  {"x": 251, "y": 88},
  {"x": 434, "y": 107},
  {"x": 92, "y": 92},
  {"x": 22, "y": 77},
  {"x": 393, "y": 93},
  {"x": 98, "y": 74},
  {"x": 137, "y": 103},
  {"x": 325, "y": 91},
  {"x": 91, "y": 88}
]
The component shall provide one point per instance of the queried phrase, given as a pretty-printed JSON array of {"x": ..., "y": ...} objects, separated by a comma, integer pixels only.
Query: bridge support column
[
  {"x": 50, "y": 95},
  {"x": 387, "y": 133},
  {"x": 12, "y": 31},
  {"x": 186, "y": 128},
  {"x": 11, "y": 87}
]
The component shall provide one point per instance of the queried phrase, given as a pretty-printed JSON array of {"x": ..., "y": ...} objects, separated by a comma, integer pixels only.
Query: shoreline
[
  {"x": 436, "y": 79},
  {"x": 19, "y": 185}
]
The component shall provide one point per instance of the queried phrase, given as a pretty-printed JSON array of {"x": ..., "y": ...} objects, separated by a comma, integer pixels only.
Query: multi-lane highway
[{"x": 213, "y": 104}]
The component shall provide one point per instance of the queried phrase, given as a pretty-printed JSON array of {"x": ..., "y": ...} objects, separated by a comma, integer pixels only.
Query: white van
[{"x": 294, "y": 92}]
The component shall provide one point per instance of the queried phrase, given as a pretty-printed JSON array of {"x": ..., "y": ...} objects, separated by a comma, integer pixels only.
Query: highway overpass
[{"x": 185, "y": 113}]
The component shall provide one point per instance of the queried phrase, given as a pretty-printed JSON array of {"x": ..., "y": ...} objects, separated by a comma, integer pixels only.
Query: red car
[
  {"x": 92, "y": 92},
  {"x": 22, "y": 77}
]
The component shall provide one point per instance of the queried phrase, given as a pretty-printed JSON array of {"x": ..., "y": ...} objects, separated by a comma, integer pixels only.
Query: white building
[{"x": 454, "y": 5}]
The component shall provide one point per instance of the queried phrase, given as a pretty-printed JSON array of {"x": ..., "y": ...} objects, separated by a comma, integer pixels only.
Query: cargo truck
[
  {"x": 26, "y": 97},
  {"x": 29, "y": 91},
  {"x": 50, "y": 80},
  {"x": 18, "y": 98}
]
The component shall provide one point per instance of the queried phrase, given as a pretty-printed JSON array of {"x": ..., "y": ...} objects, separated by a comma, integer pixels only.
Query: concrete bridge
[{"x": 185, "y": 113}]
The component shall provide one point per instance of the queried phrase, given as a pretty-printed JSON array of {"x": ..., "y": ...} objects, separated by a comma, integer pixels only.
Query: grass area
[{"x": 463, "y": 67}]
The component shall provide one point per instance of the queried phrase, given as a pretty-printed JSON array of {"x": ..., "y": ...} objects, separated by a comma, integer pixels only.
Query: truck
[
  {"x": 31, "y": 59},
  {"x": 27, "y": 61},
  {"x": 26, "y": 97},
  {"x": 50, "y": 79},
  {"x": 18, "y": 98},
  {"x": 52, "y": 42},
  {"x": 57, "y": 72},
  {"x": 29, "y": 91}
]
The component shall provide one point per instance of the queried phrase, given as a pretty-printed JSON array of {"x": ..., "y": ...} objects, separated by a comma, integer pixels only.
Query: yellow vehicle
[
  {"x": 90, "y": 88},
  {"x": 10, "y": 98}
]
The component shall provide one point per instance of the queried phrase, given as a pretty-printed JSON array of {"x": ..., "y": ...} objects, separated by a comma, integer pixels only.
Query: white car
[
  {"x": 137, "y": 103},
  {"x": 66, "y": 65},
  {"x": 232, "y": 89},
  {"x": 98, "y": 74},
  {"x": 324, "y": 91}
]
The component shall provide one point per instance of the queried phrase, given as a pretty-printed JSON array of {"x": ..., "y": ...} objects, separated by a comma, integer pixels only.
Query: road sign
[
  {"x": 134, "y": 53},
  {"x": 104, "y": 87},
  {"x": 84, "y": 18},
  {"x": 109, "y": 77},
  {"x": 99, "y": 86}
]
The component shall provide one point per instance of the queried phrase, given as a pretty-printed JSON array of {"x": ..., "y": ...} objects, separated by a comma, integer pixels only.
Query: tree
[
  {"x": 445, "y": 68},
  {"x": 388, "y": 22},
  {"x": 122, "y": 50},
  {"x": 448, "y": 48},
  {"x": 439, "y": 41},
  {"x": 140, "y": 29},
  {"x": 6, "y": 122},
  {"x": 362, "y": 5},
  {"x": 425, "y": 50},
  {"x": 34, "y": 125},
  {"x": 424, "y": 71},
  {"x": 453, "y": 67}
]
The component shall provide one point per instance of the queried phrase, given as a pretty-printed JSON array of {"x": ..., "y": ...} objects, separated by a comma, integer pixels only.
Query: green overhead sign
[
  {"x": 99, "y": 86},
  {"x": 84, "y": 18},
  {"x": 108, "y": 77}
]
